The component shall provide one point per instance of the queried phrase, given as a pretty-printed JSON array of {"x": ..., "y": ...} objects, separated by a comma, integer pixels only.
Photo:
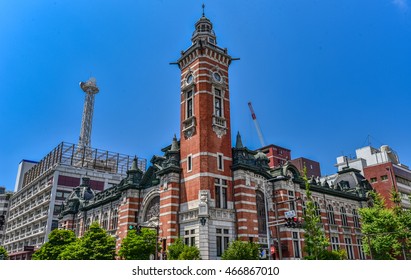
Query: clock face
[
  {"x": 189, "y": 79},
  {"x": 217, "y": 77}
]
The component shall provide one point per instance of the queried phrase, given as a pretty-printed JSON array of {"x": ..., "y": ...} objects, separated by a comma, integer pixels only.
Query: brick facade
[{"x": 204, "y": 190}]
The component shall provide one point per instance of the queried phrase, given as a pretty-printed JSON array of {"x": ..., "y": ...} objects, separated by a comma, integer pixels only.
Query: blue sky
[{"x": 323, "y": 75}]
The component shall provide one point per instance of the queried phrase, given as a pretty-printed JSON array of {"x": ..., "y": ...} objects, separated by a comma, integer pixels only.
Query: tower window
[
  {"x": 189, "y": 163},
  {"x": 220, "y": 193},
  {"x": 189, "y": 104},
  {"x": 220, "y": 162},
  {"x": 217, "y": 103}
]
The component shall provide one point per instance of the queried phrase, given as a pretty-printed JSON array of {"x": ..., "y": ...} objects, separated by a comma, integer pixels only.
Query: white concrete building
[{"x": 42, "y": 189}]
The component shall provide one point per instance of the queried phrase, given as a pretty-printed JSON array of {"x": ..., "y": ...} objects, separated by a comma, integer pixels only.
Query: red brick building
[
  {"x": 312, "y": 166},
  {"x": 206, "y": 191}
]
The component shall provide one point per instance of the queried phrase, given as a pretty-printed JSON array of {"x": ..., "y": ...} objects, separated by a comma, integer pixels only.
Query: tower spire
[{"x": 203, "y": 9}]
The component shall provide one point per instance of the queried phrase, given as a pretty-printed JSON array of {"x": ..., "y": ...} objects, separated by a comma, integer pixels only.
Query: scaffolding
[{"x": 68, "y": 154}]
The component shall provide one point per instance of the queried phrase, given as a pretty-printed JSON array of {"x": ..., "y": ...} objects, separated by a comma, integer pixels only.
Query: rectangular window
[
  {"x": 217, "y": 196},
  {"x": 217, "y": 106},
  {"x": 189, "y": 104},
  {"x": 189, "y": 163},
  {"x": 384, "y": 178},
  {"x": 373, "y": 179},
  {"x": 220, "y": 165},
  {"x": 296, "y": 245},
  {"x": 189, "y": 237},
  {"x": 348, "y": 246},
  {"x": 221, "y": 193},
  {"x": 361, "y": 249},
  {"x": 334, "y": 243},
  {"x": 68, "y": 181},
  {"x": 219, "y": 247},
  {"x": 291, "y": 197},
  {"x": 223, "y": 240},
  {"x": 224, "y": 197}
]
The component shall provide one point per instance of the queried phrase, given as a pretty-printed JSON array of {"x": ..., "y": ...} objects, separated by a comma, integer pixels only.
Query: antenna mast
[
  {"x": 91, "y": 89},
  {"x": 257, "y": 126}
]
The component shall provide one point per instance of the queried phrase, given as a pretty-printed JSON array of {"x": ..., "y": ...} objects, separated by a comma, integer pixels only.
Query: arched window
[
  {"x": 114, "y": 219},
  {"x": 152, "y": 209},
  {"x": 105, "y": 221},
  {"x": 344, "y": 216},
  {"x": 356, "y": 219},
  {"x": 262, "y": 226},
  {"x": 330, "y": 214},
  {"x": 318, "y": 210},
  {"x": 88, "y": 222}
]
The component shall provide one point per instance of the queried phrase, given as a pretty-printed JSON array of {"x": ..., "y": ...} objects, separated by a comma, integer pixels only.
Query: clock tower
[{"x": 206, "y": 216}]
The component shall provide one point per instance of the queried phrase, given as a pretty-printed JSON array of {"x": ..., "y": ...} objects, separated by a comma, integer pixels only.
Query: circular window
[
  {"x": 189, "y": 79},
  {"x": 217, "y": 77}
]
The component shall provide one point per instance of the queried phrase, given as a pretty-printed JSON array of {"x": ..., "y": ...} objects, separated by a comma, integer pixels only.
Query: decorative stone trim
[{"x": 189, "y": 127}]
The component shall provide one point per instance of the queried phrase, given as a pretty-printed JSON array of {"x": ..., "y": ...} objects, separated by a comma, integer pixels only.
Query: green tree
[
  {"x": 190, "y": 253},
  {"x": 315, "y": 241},
  {"x": 386, "y": 230},
  {"x": 175, "y": 249},
  {"x": 3, "y": 253},
  {"x": 241, "y": 250},
  {"x": 138, "y": 246},
  {"x": 58, "y": 240},
  {"x": 180, "y": 251},
  {"x": 96, "y": 244}
]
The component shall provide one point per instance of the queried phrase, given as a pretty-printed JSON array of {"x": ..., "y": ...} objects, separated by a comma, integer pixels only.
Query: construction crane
[{"x": 257, "y": 126}]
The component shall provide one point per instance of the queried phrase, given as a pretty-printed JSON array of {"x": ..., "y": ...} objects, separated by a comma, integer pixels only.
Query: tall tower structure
[
  {"x": 205, "y": 144},
  {"x": 91, "y": 89}
]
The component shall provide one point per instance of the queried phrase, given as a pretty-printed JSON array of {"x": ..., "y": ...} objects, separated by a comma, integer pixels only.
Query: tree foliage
[
  {"x": 241, "y": 250},
  {"x": 175, "y": 249},
  {"x": 3, "y": 253},
  {"x": 386, "y": 231},
  {"x": 315, "y": 241},
  {"x": 180, "y": 251},
  {"x": 96, "y": 244},
  {"x": 138, "y": 246},
  {"x": 190, "y": 253},
  {"x": 58, "y": 240}
]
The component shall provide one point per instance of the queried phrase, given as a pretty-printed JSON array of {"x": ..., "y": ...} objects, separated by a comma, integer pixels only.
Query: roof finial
[{"x": 203, "y": 9}]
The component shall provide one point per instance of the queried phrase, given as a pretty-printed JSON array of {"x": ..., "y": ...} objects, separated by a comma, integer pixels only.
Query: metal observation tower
[{"x": 91, "y": 89}]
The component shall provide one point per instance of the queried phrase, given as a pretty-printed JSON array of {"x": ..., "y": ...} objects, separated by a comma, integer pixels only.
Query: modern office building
[
  {"x": 383, "y": 169},
  {"x": 4, "y": 207}
]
